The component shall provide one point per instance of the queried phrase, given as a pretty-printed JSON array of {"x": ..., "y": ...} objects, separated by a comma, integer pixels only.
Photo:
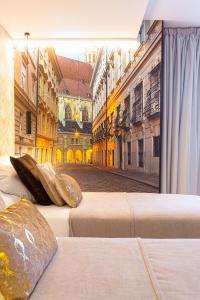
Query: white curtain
[{"x": 180, "y": 164}]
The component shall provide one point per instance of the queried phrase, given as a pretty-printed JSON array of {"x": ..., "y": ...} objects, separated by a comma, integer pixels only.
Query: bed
[
  {"x": 136, "y": 215},
  {"x": 125, "y": 215},
  {"x": 115, "y": 269}
]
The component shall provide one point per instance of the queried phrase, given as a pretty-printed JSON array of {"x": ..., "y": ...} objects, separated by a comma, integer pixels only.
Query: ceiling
[
  {"x": 175, "y": 12},
  {"x": 60, "y": 19},
  {"x": 52, "y": 19}
]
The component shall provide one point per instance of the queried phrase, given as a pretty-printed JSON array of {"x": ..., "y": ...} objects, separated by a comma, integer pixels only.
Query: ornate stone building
[
  {"x": 49, "y": 78},
  {"x": 25, "y": 93},
  {"x": 37, "y": 79},
  {"x": 75, "y": 113},
  {"x": 126, "y": 127}
]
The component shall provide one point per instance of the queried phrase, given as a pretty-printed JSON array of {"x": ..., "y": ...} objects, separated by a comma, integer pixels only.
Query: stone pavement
[
  {"x": 92, "y": 179},
  {"x": 152, "y": 180}
]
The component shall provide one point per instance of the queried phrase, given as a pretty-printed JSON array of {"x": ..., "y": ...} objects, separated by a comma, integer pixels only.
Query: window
[
  {"x": 68, "y": 112},
  {"x": 137, "y": 105},
  {"x": 85, "y": 114},
  {"x": 152, "y": 105},
  {"x": 23, "y": 76},
  {"x": 156, "y": 146},
  {"x": 72, "y": 140},
  {"x": 33, "y": 90},
  {"x": 20, "y": 123},
  {"x": 129, "y": 152},
  {"x": 141, "y": 153},
  {"x": 76, "y": 141}
]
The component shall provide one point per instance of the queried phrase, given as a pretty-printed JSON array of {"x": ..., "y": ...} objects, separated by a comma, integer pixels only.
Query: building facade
[
  {"x": 74, "y": 143},
  {"x": 49, "y": 78},
  {"x": 37, "y": 78},
  {"x": 126, "y": 93},
  {"x": 25, "y": 94},
  {"x": 75, "y": 128}
]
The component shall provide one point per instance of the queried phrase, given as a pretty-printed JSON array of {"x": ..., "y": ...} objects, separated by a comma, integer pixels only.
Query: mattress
[{"x": 115, "y": 269}]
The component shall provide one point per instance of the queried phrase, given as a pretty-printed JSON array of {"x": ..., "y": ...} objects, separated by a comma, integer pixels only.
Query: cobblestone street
[{"x": 92, "y": 179}]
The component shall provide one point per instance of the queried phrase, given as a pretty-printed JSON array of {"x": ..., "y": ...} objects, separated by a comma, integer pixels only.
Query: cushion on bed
[
  {"x": 69, "y": 189},
  {"x": 10, "y": 183},
  {"x": 27, "y": 246},
  {"x": 30, "y": 164},
  {"x": 47, "y": 178},
  {"x": 30, "y": 181}
]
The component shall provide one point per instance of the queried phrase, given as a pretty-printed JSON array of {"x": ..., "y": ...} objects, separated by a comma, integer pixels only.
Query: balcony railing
[
  {"x": 152, "y": 106},
  {"x": 137, "y": 112}
]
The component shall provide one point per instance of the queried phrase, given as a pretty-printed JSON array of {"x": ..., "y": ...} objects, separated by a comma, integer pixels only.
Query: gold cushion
[
  {"x": 47, "y": 178},
  {"x": 69, "y": 189},
  {"x": 27, "y": 245}
]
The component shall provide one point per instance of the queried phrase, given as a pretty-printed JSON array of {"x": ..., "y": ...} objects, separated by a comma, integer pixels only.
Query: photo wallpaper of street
[{"x": 93, "y": 111}]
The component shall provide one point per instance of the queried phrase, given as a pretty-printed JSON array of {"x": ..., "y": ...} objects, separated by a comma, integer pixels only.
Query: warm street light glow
[{"x": 77, "y": 134}]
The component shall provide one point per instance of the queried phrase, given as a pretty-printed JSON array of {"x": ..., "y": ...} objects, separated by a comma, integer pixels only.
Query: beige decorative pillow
[
  {"x": 26, "y": 248},
  {"x": 69, "y": 189},
  {"x": 30, "y": 164},
  {"x": 47, "y": 178}
]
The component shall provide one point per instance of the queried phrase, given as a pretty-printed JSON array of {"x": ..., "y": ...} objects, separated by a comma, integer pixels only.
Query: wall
[{"x": 6, "y": 94}]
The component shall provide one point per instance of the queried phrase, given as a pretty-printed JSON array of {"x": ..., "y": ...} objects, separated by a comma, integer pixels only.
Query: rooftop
[{"x": 76, "y": 77}]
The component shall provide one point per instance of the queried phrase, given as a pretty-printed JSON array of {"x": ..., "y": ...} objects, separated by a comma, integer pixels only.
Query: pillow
[
  {"x": 69, "y": 189},
  {"x": 27, "y": 246},
  {"x": 5, "y": 161},
  {"x": 47, "y": 178},
  {"x": 10, "y": 183},
  {"x": 31, "y": 182},
  {"x": 30, "y": 164}
]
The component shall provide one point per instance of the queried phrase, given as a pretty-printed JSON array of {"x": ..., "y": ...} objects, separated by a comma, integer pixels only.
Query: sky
[{"x": 73, "y": 52}]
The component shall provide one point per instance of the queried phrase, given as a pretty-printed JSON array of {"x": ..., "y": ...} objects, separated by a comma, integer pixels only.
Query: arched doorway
[
  {"x": 58, "y": 156},
  {"x": 70, "y": 156},
  {"x": 89, "y": 156},
  {"x": 78, "y": 156}
]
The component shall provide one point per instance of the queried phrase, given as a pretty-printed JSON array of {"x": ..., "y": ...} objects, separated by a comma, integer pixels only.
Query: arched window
[
  {"x": 85, "y": 114},
  {"x": 68, "y": 112}
]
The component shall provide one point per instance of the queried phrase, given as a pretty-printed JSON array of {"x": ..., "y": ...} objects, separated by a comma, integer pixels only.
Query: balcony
[
  {"x": 125, "y": 123},
  {"x": 152, "y": 106},
  {"x": 137, "y": 112}
]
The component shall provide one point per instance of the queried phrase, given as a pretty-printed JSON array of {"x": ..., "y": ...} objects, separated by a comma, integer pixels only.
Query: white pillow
[
  {"x": 5, "y": 161},
  {"x": 10, "y": 183}
]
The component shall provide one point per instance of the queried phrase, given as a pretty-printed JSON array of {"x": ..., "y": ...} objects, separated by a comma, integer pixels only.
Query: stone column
[{"x": 7, "y": 122}]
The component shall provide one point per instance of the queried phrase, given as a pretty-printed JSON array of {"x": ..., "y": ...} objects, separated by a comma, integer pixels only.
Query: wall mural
[{"x": 92, "y": 105}]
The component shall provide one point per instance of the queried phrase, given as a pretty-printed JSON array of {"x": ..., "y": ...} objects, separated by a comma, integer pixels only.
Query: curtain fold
[{"x": 180, "y": 164}]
